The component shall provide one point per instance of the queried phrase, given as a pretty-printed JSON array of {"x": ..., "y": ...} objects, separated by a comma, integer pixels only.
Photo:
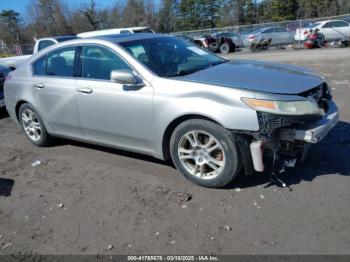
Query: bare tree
[
  {"x": 91, "y": 14},
  {"x": 12, "y": 30}
]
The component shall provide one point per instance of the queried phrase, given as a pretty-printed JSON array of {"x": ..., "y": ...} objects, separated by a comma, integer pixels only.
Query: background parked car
[
  {"x": 14, "y": 61},
  {"x": 116, "y": 31},
  {"x": 215, "y": 43},
  {"x": 3, "y": 73},
  {"x": 293, "y": 26},
  {"x": 331, "y": 29},
  {"x": 236, "y": 39},
  {"x": 278, "y": 35}
]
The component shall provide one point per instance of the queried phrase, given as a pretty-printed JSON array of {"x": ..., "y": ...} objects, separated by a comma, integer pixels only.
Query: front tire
[
  {"x": 205, "y": 153},
  {"x": 32, "y": 126}
]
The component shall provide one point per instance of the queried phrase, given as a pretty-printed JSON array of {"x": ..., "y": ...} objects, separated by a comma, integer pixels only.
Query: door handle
[
  {"x": 85, "y": 90},
  {"x": 39, "y": 85}
]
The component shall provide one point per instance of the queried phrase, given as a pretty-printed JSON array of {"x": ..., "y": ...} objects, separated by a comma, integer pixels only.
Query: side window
[
  {"x": 328, "y": 25},
  {"x": 125, "y": 32},
  {"x": 39, "y": 67},
  {"x": 45, "y": 43},
  {"x": 98, "y": 62},
  {"x": 61, "y": 62},
  {"x": 268, "y": 31},
  {"x": 280, "y": 30},
  {"x": 341, "y": 24}
]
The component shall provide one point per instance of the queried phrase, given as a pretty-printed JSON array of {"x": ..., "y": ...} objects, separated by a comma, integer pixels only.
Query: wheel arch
[
  {"x": 17, "y": 107},
  {"x": 172, "y": 126}
]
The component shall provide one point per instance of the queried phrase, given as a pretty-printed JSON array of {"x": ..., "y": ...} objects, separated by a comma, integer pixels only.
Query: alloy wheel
[
  {"x": 201, "y": 154},
  {"x": 31, "y": 125}
]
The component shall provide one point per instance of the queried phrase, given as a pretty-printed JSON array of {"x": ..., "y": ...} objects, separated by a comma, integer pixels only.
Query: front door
[{"x": 111, "y": 113}]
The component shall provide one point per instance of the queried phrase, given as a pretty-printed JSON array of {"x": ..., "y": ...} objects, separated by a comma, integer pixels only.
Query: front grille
[{"x": 269, "y": 123}]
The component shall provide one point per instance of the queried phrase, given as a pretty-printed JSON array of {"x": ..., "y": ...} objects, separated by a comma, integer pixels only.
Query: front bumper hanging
[
  {"x": 311, "y": 133},
  {"x": 315, "y": 132}
]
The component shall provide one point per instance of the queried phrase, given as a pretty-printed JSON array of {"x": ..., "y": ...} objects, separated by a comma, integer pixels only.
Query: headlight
[{"x": 304, "y": 107}]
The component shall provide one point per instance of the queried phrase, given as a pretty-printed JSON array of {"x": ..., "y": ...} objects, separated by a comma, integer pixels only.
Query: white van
[{"x": 115, "y": 31}]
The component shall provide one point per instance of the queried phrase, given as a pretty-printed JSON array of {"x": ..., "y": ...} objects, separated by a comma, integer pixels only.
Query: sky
[{"x": 21, "y": 5}]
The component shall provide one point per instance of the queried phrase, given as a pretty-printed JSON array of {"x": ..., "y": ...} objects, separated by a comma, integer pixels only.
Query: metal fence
[
  {"x": 24, "y": 49},
  {"x": 246, "y": 30},
  {"x": 242, "y": 31}
]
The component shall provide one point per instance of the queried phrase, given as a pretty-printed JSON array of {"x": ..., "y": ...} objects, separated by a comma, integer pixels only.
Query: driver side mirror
[{"x": 126, "y": 77}]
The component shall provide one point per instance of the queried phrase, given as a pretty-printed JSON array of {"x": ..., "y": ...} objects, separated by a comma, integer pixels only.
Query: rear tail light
[{"x": 306, "y": 32}]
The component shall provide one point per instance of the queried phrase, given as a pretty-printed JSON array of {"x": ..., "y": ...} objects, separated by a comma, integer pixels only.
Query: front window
[
  {"x": 171, "y": 56},
  {"x": 98, "y": 62}
]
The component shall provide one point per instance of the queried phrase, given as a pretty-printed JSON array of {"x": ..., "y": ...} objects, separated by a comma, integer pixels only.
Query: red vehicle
[{"x": 315, "y": 40}]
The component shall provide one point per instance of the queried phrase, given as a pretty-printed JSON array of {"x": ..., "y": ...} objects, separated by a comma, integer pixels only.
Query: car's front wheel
[
  {"x": 33, "y": 126},
  {"x": 205, "y": 153}
]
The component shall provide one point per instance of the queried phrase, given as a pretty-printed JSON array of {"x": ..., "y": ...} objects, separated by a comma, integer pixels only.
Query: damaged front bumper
[
  {"x": 317, "y": 131},
  {"x": 289, "y": 136}
]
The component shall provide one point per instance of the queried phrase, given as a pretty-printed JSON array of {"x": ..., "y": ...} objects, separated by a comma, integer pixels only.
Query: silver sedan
[{"x": 162, "y": 96}]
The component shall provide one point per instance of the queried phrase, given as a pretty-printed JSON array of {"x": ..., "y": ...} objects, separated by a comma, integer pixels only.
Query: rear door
[
  {"x": 53, "y": 84},
  {"x": 284, "y": 36}
]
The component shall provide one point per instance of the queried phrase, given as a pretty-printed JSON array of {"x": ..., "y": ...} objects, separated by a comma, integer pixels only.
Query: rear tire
[
  {"x": 224, "y": 48},
  {"x": 32, "y": 126},
  {"x": 205, "y": 153}
]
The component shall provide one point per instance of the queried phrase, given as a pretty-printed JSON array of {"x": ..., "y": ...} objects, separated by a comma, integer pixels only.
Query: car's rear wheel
[
  {"x": 224, "y": 48},
  {"x": 33, "y": 126},
  {"x": 205, "y": 153}
]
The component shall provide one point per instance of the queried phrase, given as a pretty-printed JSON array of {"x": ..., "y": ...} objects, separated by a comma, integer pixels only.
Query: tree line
[{"x": 53, "y": 17}]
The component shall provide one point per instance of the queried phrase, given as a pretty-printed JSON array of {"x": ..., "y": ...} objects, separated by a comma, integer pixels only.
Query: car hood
[{"x": 258, "y": 76}]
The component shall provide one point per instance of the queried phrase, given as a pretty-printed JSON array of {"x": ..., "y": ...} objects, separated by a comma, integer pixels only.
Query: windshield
[
  {"x": 171, "y": 56},
  {"x": 313, "y": 25}
]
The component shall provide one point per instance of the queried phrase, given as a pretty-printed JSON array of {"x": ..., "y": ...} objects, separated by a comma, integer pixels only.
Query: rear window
[{"x": 45, "y": 43}]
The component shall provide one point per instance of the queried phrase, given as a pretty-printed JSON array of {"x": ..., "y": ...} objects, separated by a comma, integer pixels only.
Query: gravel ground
[{"x": 85, "y": 199}]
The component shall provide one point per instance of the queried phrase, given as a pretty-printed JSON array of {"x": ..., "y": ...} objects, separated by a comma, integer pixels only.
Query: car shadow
[
  {"x": 6, "y": 186},
  {"x": 329, "y": 157},
  {"x": 63, "y": 142},
  {"x": 3, "y": 113}
]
